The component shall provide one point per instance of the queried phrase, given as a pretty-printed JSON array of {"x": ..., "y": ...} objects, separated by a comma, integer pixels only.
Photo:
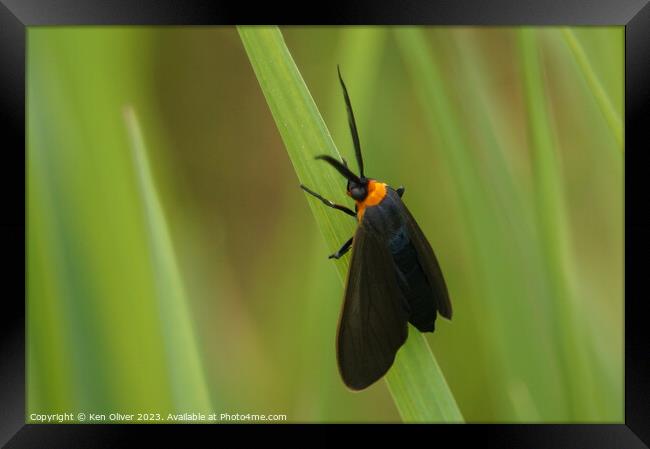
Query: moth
[{"x": 394, "y": 277}]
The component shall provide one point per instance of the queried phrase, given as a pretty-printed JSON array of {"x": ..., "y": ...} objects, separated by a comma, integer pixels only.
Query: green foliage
[
  {"x": 173, "y": 262},
  {"x": 416, "y": 382},
  {"x": 108, "y": 327}
]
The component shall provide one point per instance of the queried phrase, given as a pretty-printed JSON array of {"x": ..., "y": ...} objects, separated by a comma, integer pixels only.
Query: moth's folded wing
[
  {"x": 428, "y": 261},
  {"x": 373, "y": 322}
]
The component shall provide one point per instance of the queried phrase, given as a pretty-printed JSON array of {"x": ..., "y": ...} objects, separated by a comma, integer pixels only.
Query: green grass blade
[
  {"x": 554, "y": 228},
  {"x": 604, "y": 103},
  {"x": 415, "y": 380},
  {"x": 190, "y": 392},
  {"x": 419, "y": 371}
]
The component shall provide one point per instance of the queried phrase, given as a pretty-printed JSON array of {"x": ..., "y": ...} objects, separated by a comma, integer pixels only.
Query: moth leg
[
  {"x": 342, "y": 250},
  {"x": 329, "y": 203},
  {"x": 400, "y": 191}
]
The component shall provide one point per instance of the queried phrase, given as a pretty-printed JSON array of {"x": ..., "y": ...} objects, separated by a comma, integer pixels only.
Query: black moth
[{"x": 394, "y": 277}]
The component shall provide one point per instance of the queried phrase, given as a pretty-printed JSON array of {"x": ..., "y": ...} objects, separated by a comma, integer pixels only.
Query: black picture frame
[{"x": 16, "y": 15}]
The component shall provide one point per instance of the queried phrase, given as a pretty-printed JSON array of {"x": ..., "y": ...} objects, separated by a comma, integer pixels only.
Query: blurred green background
[{"x": 174, "y": 265}]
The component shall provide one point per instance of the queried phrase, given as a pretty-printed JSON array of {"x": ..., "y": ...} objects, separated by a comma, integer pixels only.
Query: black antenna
[
  {"x": 353, "y": 125},
  {"x": 342, "y": 169}
]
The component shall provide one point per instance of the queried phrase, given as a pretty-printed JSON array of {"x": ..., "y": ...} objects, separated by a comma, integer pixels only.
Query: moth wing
[
  {"x": 428, "y": 261},
  {"x": 373, "y": 321}
]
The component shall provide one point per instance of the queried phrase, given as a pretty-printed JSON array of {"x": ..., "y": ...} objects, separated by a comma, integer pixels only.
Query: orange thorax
[{"x": 376, "y": 193}]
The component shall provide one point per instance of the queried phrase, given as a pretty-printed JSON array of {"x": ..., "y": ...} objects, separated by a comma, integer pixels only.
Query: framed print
[{"x": 424, "y": 214}]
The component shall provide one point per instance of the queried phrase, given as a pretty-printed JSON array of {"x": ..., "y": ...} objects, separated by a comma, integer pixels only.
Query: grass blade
[
  {"x": 553, "y": 223},
  {"x": 190, "y": 390},
  {"x": 415, "y": 380},
  {"x": 419, "y": 371},
  {"x": 604, "y": 103}
]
